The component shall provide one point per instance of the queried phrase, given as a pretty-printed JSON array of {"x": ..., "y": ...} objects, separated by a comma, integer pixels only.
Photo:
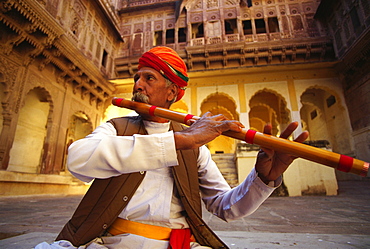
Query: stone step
[{"x": 227, "y": 165}]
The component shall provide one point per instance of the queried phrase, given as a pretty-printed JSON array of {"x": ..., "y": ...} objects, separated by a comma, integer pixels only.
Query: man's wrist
[{"x": 270, "y": 183}]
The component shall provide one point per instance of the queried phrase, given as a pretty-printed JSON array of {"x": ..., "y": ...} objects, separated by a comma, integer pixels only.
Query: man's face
[{"x": 150, "y": 87}]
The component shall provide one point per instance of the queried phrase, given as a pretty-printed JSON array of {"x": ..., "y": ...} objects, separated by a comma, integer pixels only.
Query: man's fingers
[
  {"x": 289, "y": 130},
  {"x": 219, "y": 117},
  {"x": 207, "y": 114},
  {"x": 190, "y": 121},
  {"x": 231, "y": 125},
  {"x": 302, "y": 137},
  {"x": 267, "y": 129}
]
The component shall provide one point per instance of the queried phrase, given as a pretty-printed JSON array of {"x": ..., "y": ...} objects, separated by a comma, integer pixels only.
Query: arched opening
[
  {"x": 79, "y": 127},
  {"x": 262, "y": 114},
  {"x": 27, "y": 148},
  {"x": 267, "y": 106},
  {"x": 220, "y": 103},
  {"x": 325, "y": 118}
]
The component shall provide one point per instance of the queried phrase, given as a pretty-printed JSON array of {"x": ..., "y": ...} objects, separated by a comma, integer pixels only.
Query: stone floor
[{"x": 341, "y": 221}]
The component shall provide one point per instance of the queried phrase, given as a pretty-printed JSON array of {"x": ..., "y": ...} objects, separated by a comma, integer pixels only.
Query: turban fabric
[{"x": 167, "y": 62}]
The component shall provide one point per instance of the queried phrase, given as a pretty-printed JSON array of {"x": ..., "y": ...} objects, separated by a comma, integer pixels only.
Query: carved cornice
[
  {"x": 36, "y": 14},
  {"x": 135, "y": 5},
  {"x": 244, "y": 55}
]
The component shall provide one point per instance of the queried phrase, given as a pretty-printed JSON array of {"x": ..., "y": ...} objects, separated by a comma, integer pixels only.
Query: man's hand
[
  {"x": 271, "y": 164},
  {"x": 204, "y": 130}
]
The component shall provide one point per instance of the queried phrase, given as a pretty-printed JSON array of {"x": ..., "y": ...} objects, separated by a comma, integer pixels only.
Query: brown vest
[{"x": 106, "y": 198}]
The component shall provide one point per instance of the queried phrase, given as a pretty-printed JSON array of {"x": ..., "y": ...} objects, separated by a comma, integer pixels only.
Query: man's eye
[
  {"x": 136, "y": 78},
  {"x": 150, "y": 77}
]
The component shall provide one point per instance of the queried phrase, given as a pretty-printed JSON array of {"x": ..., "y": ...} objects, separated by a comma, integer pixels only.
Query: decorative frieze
[
  {"x": 9, "y": 75},
  {"x": 126, "y": 30},
  {"x": 230, "y": 13},
  {"x": 170, "y": 23},
  {"x": 138, "y": 28},
  {"x": 196, "y": 17},
  {"x": 158, "y": 25}
]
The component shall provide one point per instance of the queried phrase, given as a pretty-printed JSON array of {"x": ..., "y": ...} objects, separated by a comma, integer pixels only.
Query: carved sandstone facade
[{"x": 56, "y": 59}]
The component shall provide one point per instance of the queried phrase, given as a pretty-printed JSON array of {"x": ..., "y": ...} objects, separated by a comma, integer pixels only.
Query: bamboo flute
[{"x": 340, "y": 162}]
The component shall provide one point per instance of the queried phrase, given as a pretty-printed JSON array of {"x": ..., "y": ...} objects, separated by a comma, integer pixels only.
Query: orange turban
[{"x": 166, "y": 61}]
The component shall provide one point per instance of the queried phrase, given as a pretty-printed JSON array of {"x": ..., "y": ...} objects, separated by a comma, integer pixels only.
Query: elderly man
[{"x": 150, "y": 174}]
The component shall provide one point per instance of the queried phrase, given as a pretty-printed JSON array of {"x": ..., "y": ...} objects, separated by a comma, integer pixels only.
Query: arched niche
[
  {"x": 325, "y": 118},
  {"x": 261, "y": 114},
  {"x": 80, "y": 126},
  {"x": 220, "y": 103},
  {"x": 219, "y": 99},
  {"x": 271, "y": 107},
  {"x": 31, "y": 131}
]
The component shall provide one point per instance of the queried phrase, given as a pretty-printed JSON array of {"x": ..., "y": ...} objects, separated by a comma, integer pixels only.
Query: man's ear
[{"x": 173, "y": 90}]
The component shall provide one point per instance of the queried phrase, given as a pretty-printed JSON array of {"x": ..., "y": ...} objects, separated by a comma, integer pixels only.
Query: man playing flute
[{"x": 150, "y": 174}]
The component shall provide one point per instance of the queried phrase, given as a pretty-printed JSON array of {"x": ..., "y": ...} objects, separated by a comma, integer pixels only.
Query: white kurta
[{"x": 103, "y": 154}]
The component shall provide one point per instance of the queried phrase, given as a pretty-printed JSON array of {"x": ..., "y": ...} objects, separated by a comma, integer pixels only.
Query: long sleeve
[
  {"x": 224, "y": 202},
  {"x": 103, "y": 154}
]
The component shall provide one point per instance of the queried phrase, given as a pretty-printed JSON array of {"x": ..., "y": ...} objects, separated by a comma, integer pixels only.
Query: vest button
[
  {"x": 142, "y": 172},
  {"x": 105, "y": 226},
  {"x": 125, "y": 198}
]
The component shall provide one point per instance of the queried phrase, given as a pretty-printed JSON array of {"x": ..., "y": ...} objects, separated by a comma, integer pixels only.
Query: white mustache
[{"x": 140, "y": 97}]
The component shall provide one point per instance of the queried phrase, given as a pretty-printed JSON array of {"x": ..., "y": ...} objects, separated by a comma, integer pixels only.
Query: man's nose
[{"x": 138, "y": 85}]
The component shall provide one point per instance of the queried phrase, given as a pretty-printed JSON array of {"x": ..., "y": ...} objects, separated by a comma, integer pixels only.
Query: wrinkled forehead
[{"x": 144, "y": 71}]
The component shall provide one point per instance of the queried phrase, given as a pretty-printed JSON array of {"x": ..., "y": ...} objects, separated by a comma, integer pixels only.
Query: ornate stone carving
[
  {"x": 139, "y": 27},
  {"x": 230, "y": 13},
  {"x": 170, "y": 23},
  {"x": 126, "y": 30},
  {"x": 158, "y": 25},
  {"x": 232, "y": 2},
  {"x": 9, "y": 74},
  {"x": 79, "y": 8},
  {"x": 213, "y": 15},
  {"x": 214, "y": 3},
  {"x": 196, "y": 17},
  {"x": 198, "y": 5}
]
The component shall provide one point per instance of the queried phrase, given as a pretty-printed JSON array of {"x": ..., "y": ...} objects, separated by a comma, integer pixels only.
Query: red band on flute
[
  {"x": 249, "y": 136},
  {"x": 187, "y": 117},
  {"x": 345, "y": 163},
  {"x": 151, "y": 110},
  {"x": 117, "y": 101}
]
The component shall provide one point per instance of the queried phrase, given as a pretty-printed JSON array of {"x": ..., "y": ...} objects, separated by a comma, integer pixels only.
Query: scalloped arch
[
  {"x": 268, "y": 107},
  {"x": 313, "y": 105},
  {"x": 285, "y": 118},
  {"x": 212, "y": 95},
  {"x": 269, "y": 91},
  {"x": 224, "y": 111},
  {"x": 44, "y": 97},
  {"x": 228, "y": 108},
  {"x": 82, "y": 116},
  {"x": 326, "y": 89},
  {"x": 256, "y": 123},
  {"x": 228, "y": 103}
]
